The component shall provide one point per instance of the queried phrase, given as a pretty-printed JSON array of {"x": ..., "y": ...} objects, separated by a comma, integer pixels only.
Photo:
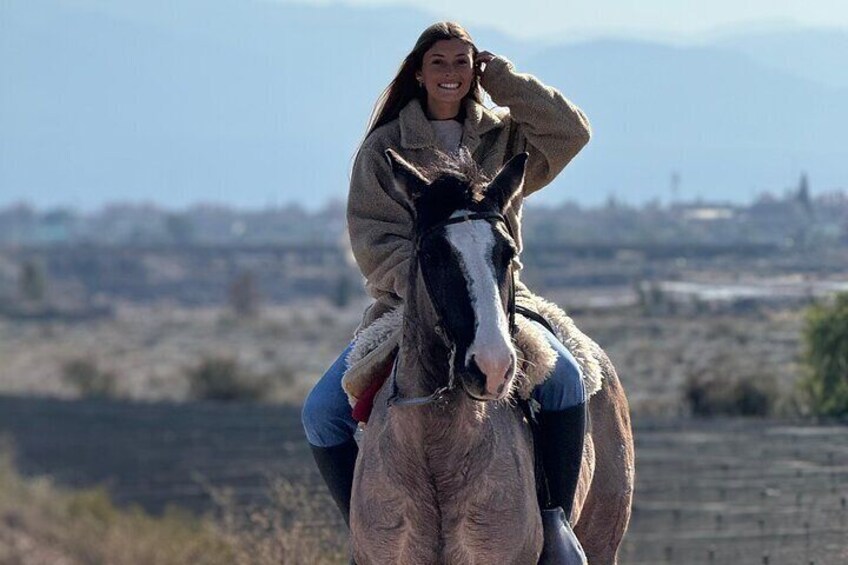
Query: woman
[{"x": 435, "y": 104}]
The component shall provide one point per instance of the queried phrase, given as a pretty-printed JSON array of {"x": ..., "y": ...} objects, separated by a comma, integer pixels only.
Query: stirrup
[{"x": 561, "y": 546}]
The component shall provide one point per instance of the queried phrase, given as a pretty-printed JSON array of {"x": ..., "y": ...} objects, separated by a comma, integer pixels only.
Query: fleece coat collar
[{"x": 417, "y": 133}]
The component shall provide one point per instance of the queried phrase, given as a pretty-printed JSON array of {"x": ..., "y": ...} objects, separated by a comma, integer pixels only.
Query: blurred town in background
[{"x": 783, "y": 248}]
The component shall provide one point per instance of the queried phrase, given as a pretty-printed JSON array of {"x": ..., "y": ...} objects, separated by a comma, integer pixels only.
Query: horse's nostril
[
  {"x": 509, "y": 370},
  {"x": 475, "y": 370}
]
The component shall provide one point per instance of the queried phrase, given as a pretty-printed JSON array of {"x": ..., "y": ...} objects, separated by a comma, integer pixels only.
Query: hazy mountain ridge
[
  {"x": 231, "y": 101},
  {"x": 815, "y": 54},
  {"x": 727, "y": 125}
]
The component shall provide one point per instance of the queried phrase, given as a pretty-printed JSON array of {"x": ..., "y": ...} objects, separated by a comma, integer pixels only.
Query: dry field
[
  {"x": 656, "y": 357},
  {"x": 148, "y": 351},
  {"x": 740, "y": 492},
  {"x": 728, "y": 491},
  {"x": 760, "y": 491}
]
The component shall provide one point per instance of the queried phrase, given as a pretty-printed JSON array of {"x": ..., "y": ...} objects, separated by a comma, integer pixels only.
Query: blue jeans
[{"x": 327, "y": 416}]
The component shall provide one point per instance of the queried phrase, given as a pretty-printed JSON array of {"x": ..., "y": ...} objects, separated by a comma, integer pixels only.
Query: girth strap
[{"x": 531, "y": 407}]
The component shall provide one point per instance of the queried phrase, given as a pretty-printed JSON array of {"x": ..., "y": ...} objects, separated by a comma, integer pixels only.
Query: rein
[{"x": 440, "y": 328}]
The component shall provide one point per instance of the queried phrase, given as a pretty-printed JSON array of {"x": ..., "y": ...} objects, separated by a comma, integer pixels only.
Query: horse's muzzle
[{"x": 494, "y": 384}]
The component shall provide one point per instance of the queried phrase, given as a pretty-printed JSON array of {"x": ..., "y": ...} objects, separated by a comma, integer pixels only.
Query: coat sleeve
[
  {"x": 379, "y": 226},
  {"x": 547, "y": 125}
]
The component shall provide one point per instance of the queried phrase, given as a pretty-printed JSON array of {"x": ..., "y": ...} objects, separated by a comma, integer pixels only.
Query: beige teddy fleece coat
[{"x": 530, "y": 117}]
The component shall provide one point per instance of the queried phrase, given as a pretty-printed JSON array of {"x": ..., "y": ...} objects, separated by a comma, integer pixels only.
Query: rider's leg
[
  {"x": 562, "y": 422},
  {"x": 329, "y": 429}
]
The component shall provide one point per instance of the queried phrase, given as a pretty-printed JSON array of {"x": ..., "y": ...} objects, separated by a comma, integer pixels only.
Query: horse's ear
[
  {"x": 508, "y": 182},
  {"x": 408, "y": 180}
]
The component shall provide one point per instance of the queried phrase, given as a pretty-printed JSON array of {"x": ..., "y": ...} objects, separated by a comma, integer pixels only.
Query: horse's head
[{"x": 464, "y": 253}]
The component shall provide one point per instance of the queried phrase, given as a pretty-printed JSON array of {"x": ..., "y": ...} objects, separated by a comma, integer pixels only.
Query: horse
[{"x": 445, "y": 472}]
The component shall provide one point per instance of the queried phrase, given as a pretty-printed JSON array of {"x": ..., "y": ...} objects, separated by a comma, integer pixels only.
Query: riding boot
[
  {"x": 336, "y": 465},
  {"x": 561, "y": 446}
]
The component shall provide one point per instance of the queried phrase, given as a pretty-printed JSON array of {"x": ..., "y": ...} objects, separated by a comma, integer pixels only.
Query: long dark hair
[{"x": 404, "y": 87}]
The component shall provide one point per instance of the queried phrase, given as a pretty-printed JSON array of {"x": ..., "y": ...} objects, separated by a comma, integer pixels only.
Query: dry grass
[
  {"x": 288, "y": 530},
  {"x": 42, "y": 524},
  {"x": 659, "y": 358},
  {"x": 153, "y": 351}
]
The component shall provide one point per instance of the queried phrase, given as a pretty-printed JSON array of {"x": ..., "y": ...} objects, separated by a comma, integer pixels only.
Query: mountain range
[{"x": 253, "y": 103}]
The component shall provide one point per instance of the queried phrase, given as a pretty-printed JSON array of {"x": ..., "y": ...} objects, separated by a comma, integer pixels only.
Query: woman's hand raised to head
[{"x": 480, "y": 61}]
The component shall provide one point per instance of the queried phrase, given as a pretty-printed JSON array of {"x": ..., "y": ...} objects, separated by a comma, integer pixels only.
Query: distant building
[{"x": 707, "y": 213}]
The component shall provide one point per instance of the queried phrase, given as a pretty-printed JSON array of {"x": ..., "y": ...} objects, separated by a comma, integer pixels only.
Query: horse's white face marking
[{"x": 473, "y": 243}]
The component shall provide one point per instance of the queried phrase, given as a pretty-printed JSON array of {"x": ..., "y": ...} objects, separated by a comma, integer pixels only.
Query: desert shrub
[
  {"x": 88, "y": 379},
  {"x": 344, "y": 291},
  {"x": 282, "y": 529},
  {"x": 826, "y": 357},
  {"x": 754, "y": 396},
  {"x": 219, "y": 378},
  {"x": 43, "y": 523},
  {"x": 283, "y": 375}
]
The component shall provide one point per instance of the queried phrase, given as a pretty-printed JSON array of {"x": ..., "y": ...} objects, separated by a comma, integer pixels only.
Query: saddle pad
[{"x": 365, "y": 403}]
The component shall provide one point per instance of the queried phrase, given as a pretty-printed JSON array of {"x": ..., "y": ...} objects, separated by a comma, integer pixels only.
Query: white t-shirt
[{"x": 448, "y": 134}]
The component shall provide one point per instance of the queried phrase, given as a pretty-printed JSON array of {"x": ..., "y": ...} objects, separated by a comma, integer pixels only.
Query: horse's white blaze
[{"x": 473, "y": 242}]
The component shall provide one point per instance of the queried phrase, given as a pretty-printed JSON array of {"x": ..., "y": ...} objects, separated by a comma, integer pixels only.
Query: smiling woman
[
  {"x": 444, "y": 53},
  {"x": 446, "y": 74},
  {"x": 434, "y": 107}
]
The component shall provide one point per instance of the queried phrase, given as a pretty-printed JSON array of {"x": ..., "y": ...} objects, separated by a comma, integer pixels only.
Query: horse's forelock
[
  {"x": 457, "y": 183},
  {"x": 458, "y": 170}
]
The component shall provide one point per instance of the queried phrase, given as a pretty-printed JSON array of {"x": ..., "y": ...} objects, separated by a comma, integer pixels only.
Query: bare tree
[
  {"x": 32, "y": 283},
  {"x": 244, "y": 295}
]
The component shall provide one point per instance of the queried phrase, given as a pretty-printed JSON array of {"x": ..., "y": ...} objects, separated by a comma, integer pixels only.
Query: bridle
[{"x": 440, "y": 328}]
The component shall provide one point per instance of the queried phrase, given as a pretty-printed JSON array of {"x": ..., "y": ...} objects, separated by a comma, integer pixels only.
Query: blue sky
[
  {"x": 183, "y": 104},
  {"x": 667, "y": 19}
]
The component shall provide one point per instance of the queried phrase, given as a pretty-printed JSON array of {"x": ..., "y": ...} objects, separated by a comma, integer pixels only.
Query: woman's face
[{"x": 447, "y": 71}]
